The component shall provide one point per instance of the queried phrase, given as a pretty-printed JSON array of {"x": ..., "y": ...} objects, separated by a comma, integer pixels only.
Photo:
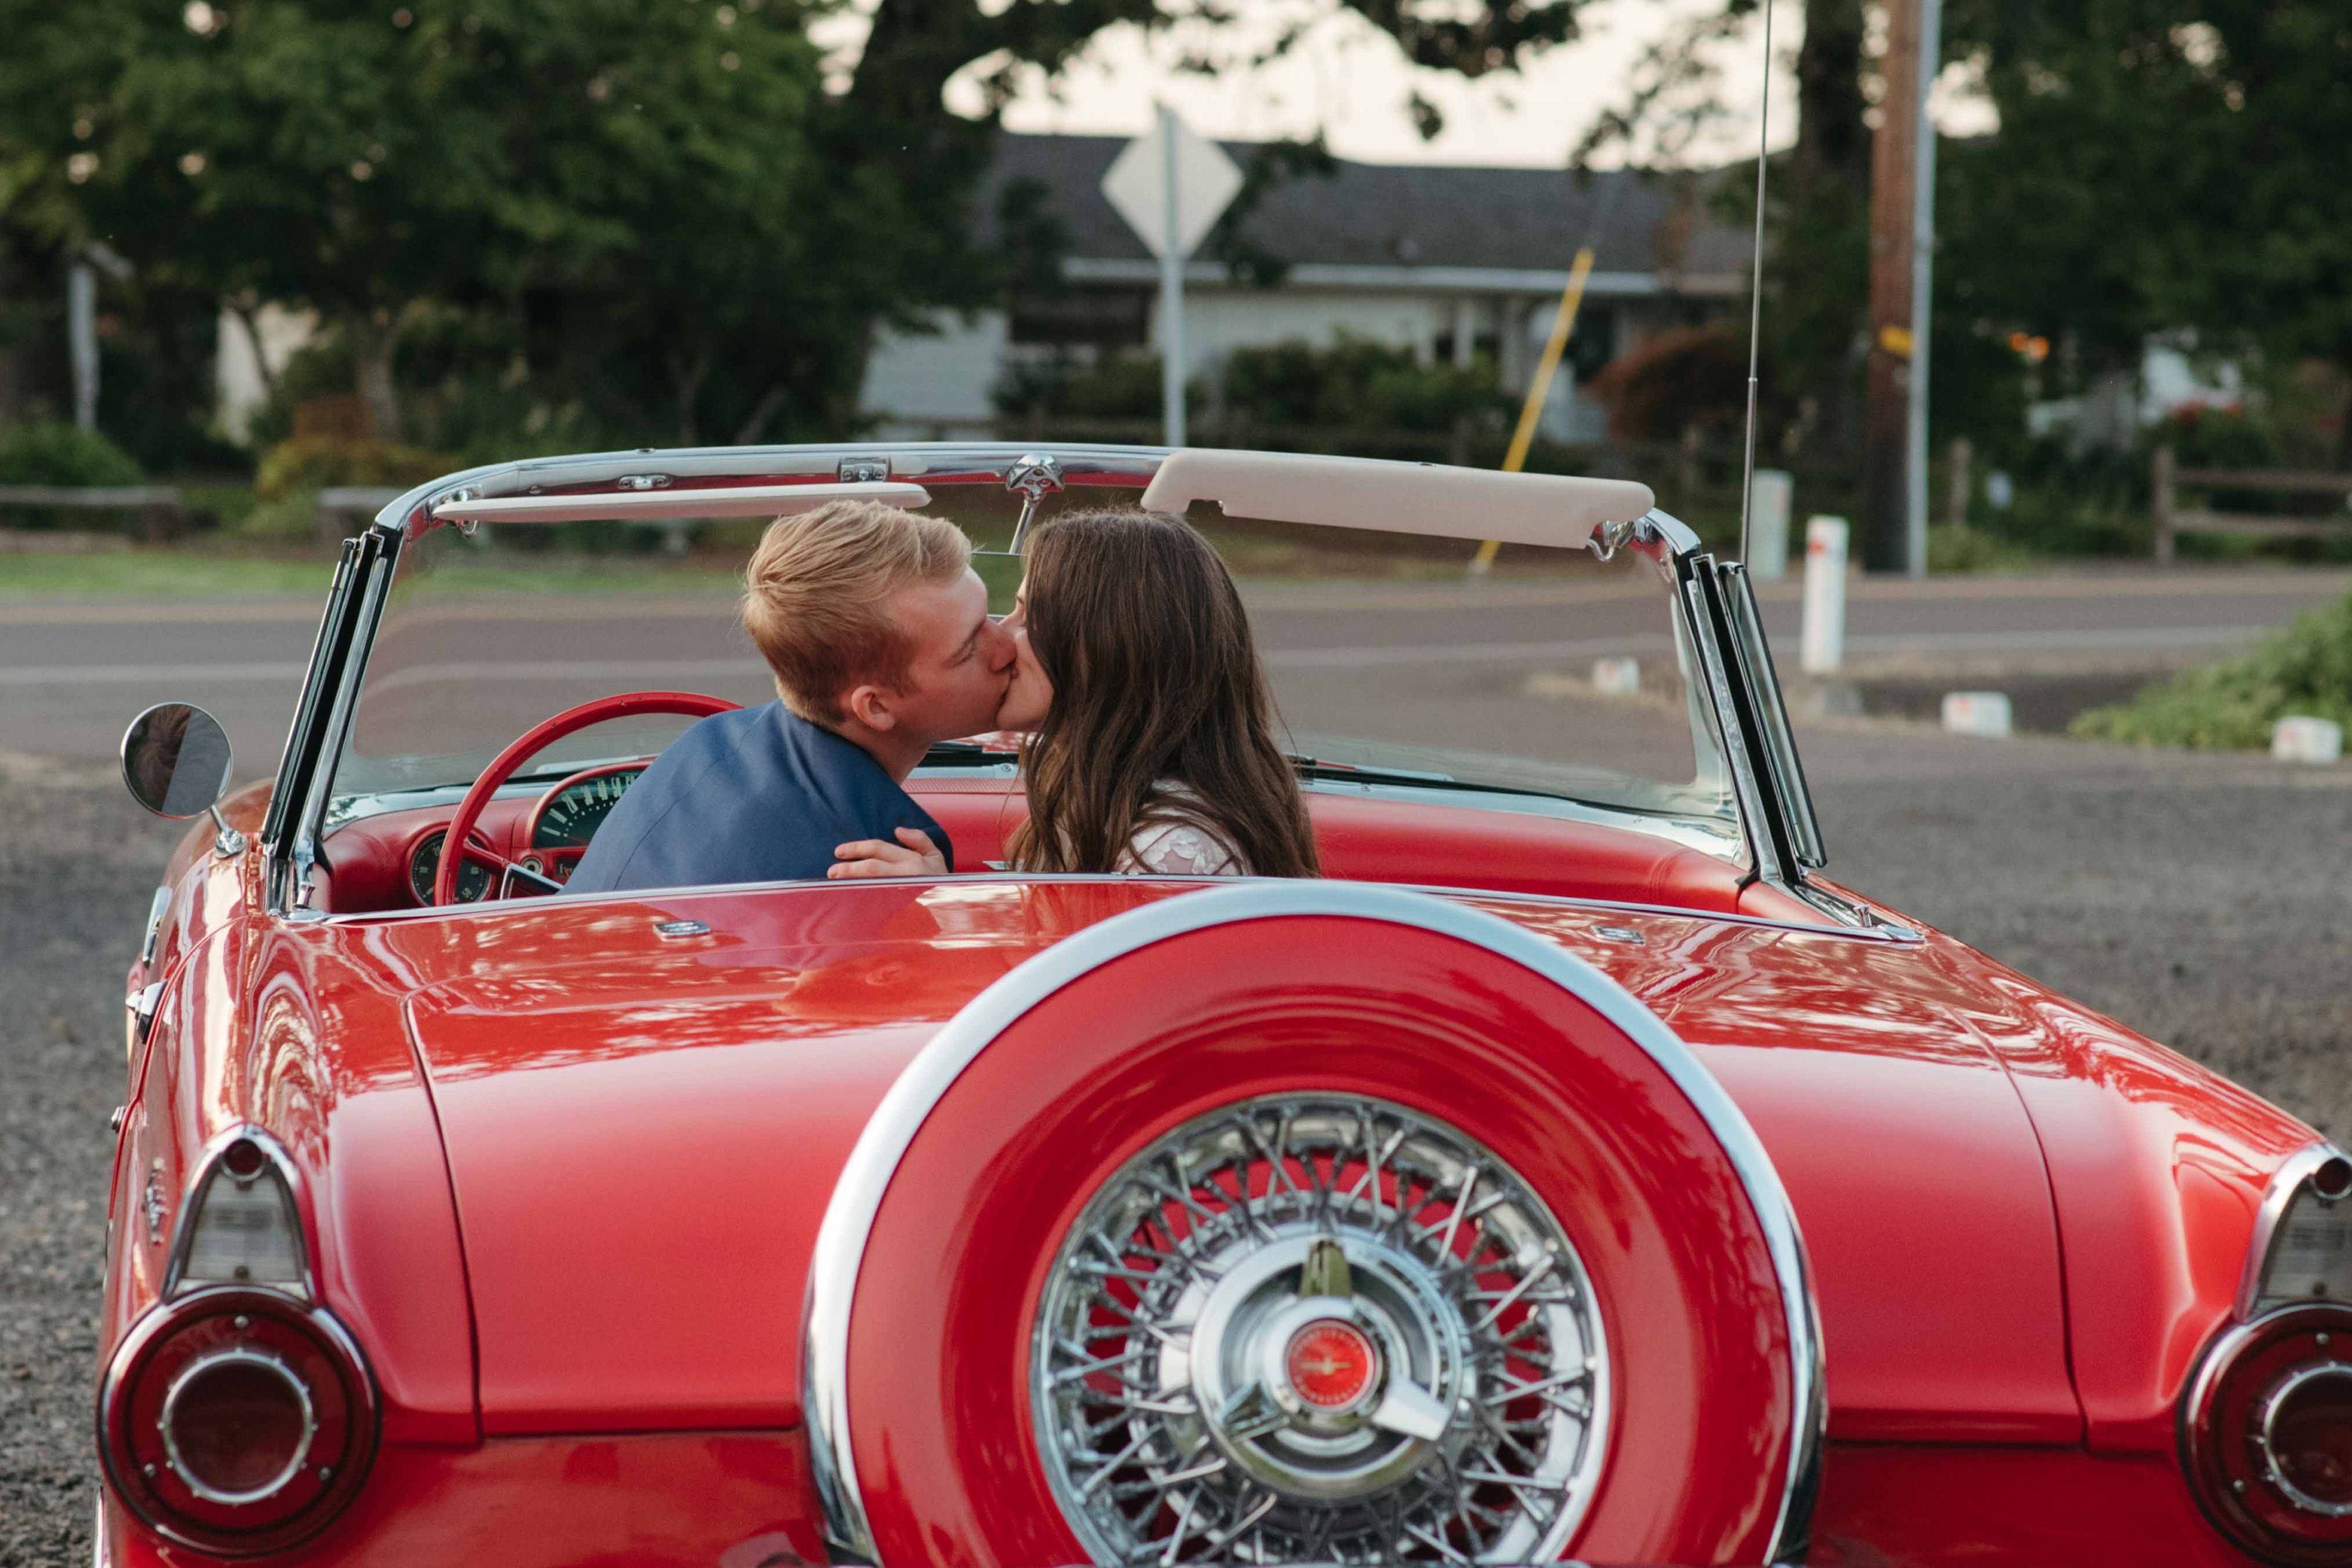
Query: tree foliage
[
  {"x": 2158, "y": 169},
  {"x": 653, "y": 216}
]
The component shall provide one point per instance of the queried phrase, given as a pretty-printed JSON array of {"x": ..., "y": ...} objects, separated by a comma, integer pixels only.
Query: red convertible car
[{"x": 1569, "y": 1170}]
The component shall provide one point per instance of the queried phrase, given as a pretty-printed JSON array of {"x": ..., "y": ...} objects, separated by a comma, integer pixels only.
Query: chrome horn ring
[{"x": 1319, "y": 1328}]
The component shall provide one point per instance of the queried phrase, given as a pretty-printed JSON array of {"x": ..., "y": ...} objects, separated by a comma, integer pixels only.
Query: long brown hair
[{"x": 1136, "y": 623}]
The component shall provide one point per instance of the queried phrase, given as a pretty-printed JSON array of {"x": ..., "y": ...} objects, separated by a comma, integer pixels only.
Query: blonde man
[{"x": 878, "y": 631}]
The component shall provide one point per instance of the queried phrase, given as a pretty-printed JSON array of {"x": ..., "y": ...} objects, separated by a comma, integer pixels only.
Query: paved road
[{"x": 73, "y": 672}]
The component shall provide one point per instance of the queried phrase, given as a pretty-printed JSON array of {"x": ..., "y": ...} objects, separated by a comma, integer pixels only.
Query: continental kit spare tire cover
[{"x": 1309, "y": 1222}]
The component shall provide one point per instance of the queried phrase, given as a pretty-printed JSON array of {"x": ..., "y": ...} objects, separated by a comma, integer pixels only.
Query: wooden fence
[
  {"x": 2168, "y": 480},
  {"x": 162, "y": 514}
]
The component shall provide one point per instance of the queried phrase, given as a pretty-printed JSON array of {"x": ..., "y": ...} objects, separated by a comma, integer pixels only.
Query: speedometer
[
  {"x": 572, "y": 818},
  {"x": 425, "y": 863}
]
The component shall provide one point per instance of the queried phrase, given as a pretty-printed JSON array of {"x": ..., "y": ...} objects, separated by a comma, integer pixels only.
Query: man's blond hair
[{"x": 815, "y": 598}]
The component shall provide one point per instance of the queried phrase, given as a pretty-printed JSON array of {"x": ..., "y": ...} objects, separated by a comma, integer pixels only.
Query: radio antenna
[{"x": 1756, "y": 289}]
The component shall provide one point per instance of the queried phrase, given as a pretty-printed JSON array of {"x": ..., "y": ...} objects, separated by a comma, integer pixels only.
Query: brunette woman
[{"x": 1151, "y": 739}]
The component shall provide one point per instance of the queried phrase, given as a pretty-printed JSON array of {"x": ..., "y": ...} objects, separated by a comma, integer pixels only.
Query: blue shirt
[{"x": 757, "y": 795}]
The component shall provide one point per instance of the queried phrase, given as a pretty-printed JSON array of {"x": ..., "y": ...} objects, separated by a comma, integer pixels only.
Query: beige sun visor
[{"x": 1426, "y": 498}]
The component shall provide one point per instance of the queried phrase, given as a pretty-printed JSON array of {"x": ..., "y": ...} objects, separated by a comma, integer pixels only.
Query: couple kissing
[{"x": 1127, "y": 661}]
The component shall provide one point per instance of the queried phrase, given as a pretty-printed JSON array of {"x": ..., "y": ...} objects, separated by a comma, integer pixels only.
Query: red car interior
[{"x": 1362, "y": 840}]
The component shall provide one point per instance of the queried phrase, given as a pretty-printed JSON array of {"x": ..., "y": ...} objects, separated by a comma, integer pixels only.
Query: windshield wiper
[
  {"x": 1357, "y": 773},
  {"x": 965, "y": 753}
]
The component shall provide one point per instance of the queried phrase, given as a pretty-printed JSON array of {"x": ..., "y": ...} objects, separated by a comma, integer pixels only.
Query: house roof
[{"x": 1449, "y": 224}]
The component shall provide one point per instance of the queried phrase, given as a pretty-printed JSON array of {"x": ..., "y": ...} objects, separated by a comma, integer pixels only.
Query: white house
[{"x": 1444, "y": 260}]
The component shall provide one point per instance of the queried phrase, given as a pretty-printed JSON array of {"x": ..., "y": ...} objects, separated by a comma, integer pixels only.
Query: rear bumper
[
  {"x": 692, "y": 1499},
  {"x": 740, "y": 1499}
]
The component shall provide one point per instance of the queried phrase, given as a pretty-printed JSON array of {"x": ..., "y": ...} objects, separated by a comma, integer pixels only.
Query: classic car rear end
[{"x": 1566, "y": 1172}]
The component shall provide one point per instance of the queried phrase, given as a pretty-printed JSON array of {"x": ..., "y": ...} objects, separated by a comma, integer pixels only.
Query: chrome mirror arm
[
  {"x": 227, "y": 842},
  {"x": 1033, "y": 477}
]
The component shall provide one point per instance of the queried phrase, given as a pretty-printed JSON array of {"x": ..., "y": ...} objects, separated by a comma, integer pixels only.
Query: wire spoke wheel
[{"x": 1319, "y": 1328}]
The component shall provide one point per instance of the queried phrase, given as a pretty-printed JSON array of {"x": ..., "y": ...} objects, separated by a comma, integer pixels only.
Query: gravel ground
[
  {"x": 76, "y": 874},
  {"x": 2204, "y": 905}
]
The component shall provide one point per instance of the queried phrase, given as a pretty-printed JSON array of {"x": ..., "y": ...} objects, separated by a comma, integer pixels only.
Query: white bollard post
[
  {"x": 1617, "y": 677},
  {"x": 2301, "y": 739},
  {"x": 1822, "y": 649},
  {"x": 1768, "y": 525},
  {"x": 1985, "y": 713}
]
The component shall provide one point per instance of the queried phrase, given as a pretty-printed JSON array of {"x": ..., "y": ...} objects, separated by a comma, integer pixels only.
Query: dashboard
[{"x": 566, "y": 822}]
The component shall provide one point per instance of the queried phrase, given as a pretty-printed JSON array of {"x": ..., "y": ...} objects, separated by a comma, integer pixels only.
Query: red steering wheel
[{"x": 530, "y": 744}]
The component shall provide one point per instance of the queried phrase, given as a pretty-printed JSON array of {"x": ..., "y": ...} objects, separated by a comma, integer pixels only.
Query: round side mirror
[{"x": 175, "y": 759}]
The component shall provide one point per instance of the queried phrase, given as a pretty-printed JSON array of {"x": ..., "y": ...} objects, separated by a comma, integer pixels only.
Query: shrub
[
  {"x": 310, "y": 463},
  {"x": 1359, "y": 384},
  {"x": 2230, "y": 706},
  {"x": 63, "y": 454},
  {"x": 1113, "y": 386}
]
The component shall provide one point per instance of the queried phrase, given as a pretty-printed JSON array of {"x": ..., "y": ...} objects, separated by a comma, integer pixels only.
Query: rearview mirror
[{"x": 175, "y": 761}]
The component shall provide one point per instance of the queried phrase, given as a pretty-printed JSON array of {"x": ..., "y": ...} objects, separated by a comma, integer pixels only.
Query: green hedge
[
  {"x": 63, "y": 454},
  {"x": 2305, "y": 669}
]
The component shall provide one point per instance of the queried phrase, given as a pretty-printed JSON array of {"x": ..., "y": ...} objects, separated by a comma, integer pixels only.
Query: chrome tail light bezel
[
  {"x": 2292, "y": 1323},
  {"x": 343, "y": 1420},
  {"x": 277, "y": 1172}
]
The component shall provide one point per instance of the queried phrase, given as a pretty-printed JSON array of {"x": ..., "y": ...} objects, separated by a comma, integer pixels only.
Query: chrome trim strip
[
  {"x": 411, "y": 514},
  {"x": 1691, "y": 596},
  {"x": 1754, "y": 658},
  {"x": 1877, "y": 931},
  {"x": 2277, "y": 1197},
  {"x": 306, "y": 704},
  {"x": 183, "y": 1223},
  {"x": 378, "y": 561},
  {"x": 858, "y": 1195},
  {"x": 157, "y": 908},
  {"x": 1672, "y": 532}
]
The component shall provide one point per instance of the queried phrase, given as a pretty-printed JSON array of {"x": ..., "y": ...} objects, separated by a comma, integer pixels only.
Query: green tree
[
  {"x": 652, "y": 210},
  {"x": 366, "y": 162},
  {"x": 2160, "y": 168}
]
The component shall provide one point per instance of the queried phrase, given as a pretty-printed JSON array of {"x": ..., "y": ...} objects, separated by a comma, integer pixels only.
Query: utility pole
[{"x": 1901, "y": 219}]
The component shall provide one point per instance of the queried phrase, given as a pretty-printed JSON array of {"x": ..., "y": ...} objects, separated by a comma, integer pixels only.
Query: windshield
[{"x": 1556, "y": 681}]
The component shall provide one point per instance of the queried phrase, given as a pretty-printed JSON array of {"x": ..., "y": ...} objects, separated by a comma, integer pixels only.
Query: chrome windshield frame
[{"x": 1729, "y": 707}]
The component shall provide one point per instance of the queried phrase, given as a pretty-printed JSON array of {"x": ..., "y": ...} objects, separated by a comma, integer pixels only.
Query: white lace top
[{"x": 1173, "y": 841}]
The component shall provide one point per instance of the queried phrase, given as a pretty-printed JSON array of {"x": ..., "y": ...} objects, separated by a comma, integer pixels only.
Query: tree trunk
[
  {"x": 1894, "y": 336},
  {"x": 686, "y": 377},
  {"x": 375, "y": 340},
  {"x": 1817, "y": 264},
  {"x": 249, "y": 313},
  {"x": 1833, "y": 141},
  {"x": 756, "y": 421}
]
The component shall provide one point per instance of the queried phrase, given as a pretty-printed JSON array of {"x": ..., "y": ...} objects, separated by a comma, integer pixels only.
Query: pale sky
[{"x": 1349, "y": 79}]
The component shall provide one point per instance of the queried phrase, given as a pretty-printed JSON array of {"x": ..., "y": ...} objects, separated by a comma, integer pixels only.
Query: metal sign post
[
  {"x": 1172, "y": 185},
  {"x": 1171, "y": 290},
  {"x": 1923, "y": 254}
]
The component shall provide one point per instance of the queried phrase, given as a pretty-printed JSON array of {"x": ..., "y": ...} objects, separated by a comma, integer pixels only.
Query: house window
[{"x": 1100, "y": 319}]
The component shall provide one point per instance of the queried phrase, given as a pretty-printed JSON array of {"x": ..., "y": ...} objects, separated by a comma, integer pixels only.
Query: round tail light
[
  {"x": 2266, "y": 1434},
  {"x": 236, "y": 1421}
]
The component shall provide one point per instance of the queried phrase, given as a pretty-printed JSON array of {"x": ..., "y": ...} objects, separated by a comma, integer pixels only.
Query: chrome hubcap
[{"x": 1322, "y": 1329}]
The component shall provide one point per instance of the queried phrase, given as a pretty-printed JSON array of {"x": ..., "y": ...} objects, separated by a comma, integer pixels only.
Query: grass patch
[
  {"x": 158, "y": 574},
  {"x": 182, "y": 573},
  {"x": 2305, "y": 670},
  {"x": 1955, "y": 548}
]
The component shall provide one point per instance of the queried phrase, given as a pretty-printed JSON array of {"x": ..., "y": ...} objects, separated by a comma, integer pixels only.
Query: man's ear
[{"x": 870, "y": 706}]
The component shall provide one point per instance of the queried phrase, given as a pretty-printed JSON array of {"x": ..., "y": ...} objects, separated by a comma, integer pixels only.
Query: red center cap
[{"x": 1330, "y": 1363}]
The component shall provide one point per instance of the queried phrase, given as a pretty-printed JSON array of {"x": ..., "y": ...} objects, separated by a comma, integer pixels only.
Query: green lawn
[
  {"x": 202, "y": 574},
  {"x": 157, "y": 573}
]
